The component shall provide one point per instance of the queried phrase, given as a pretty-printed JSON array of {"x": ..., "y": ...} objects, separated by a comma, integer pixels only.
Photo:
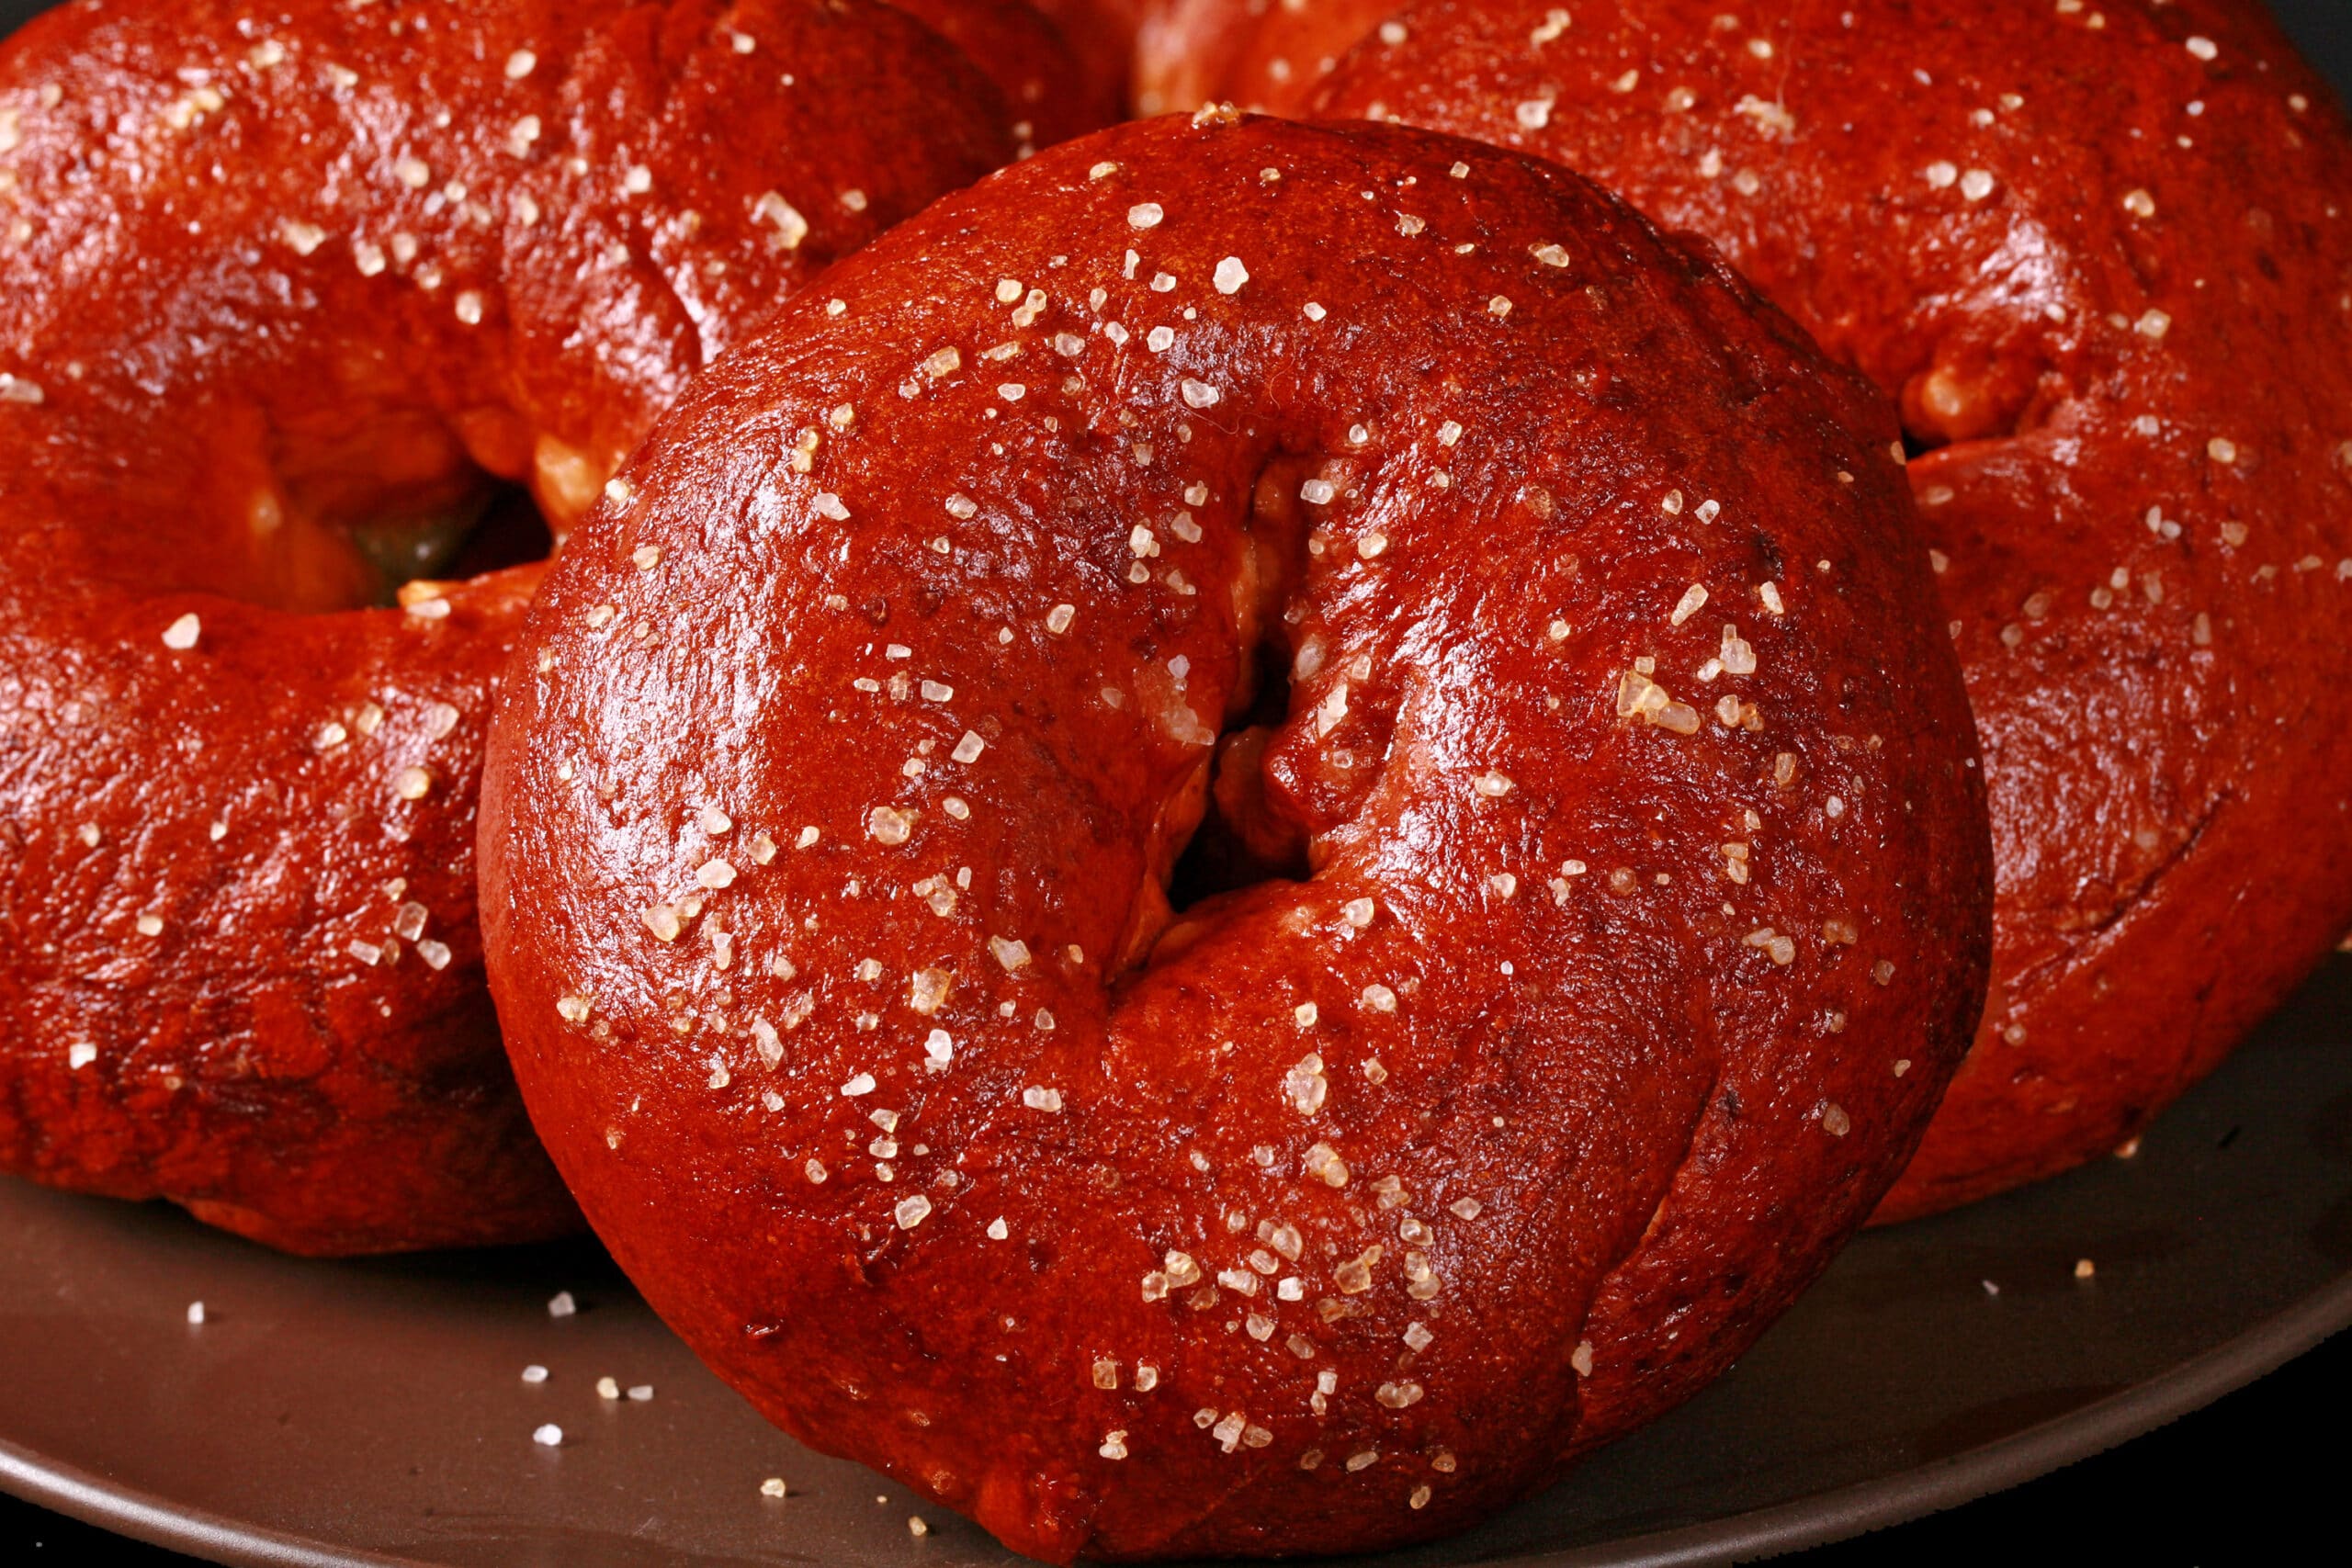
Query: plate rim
[
  {"x": 1835, "y": 1514},
  {"x": 1859, "y": 1507}
]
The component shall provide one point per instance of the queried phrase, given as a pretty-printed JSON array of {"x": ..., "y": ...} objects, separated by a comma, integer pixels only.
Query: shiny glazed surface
[
  {"x": 2099, "y": 256},
  {"x": 846, "y": 758},
  {"x": 284, "y": 291},
  {"x": 1051, "y": 63}
]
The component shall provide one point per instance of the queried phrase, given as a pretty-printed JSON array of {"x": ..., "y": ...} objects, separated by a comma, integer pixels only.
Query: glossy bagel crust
[
  {"x": 2099, "y": 255},
  {"x": 269, "y": 274},
  {"x": 829, "y": 933},
  {"x": 1057, "y": 82},
  {"x": 1102, "y": 35},
  {"x": 1268, "y": 56}
]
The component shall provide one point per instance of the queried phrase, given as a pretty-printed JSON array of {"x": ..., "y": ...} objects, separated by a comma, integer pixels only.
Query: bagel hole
[
  {"x": 1972, "y": 391},
  {"x": 337, "y": 508},
  {"x": 510, "y": 531},
  {"x": 1247, "y": 836},
  {"x": 490, "y": 528},
  {"x": 1240, "y": 842},
  {"x": 358, "y": 557}
]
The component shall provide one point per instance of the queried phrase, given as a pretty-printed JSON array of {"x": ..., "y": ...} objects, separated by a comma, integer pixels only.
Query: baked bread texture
[
  {"x": 286, "y": 292},
  {"x": 2099, "y": 257},
  {"x": 1563, "y": 609}
]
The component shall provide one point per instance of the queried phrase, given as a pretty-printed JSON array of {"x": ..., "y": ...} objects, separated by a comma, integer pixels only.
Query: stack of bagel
[{"x": 1217, "y": 832}]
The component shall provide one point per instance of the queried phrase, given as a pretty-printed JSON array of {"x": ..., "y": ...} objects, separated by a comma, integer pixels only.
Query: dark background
[{"x": 2257, "y": 1477}]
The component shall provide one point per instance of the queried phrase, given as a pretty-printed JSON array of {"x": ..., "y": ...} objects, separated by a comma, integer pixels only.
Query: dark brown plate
[{"x": 376, "y": 1413}]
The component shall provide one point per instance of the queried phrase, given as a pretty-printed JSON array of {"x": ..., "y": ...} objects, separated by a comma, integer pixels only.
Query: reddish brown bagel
[
  {"x": 829, "y": 934},
  {"x": 1052, "y": 87},
  {"x": 2100, "y": 257},
  {"x": 1264, "y": 55},
  {"x": 1270, "y": 55},
  {"x": 1102, "y": 34},
  {"x": 268, "y": 273}
]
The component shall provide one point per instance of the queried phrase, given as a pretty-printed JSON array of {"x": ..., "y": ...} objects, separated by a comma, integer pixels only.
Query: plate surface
[{"x": 375, "y": 1410}]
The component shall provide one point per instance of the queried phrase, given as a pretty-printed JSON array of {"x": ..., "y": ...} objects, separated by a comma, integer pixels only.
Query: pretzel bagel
[
  {"x": 1057, "y": 80},
  {"x": 1642, "y": 897},
  {"x": 284, "y": 291},
  {"x": 2100, "y": 257}
]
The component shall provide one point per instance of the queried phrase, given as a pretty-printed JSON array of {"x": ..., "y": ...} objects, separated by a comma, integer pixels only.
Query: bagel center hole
[
  {"x": 1244, "y": 837},
  {"x": 1970, "y": 391},
  {"x": 500, "y": 528},
  {"x": 337, "y": 511},
  {"x": 1240, "y": 840},
  {"x": 360, "y": 554}
]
